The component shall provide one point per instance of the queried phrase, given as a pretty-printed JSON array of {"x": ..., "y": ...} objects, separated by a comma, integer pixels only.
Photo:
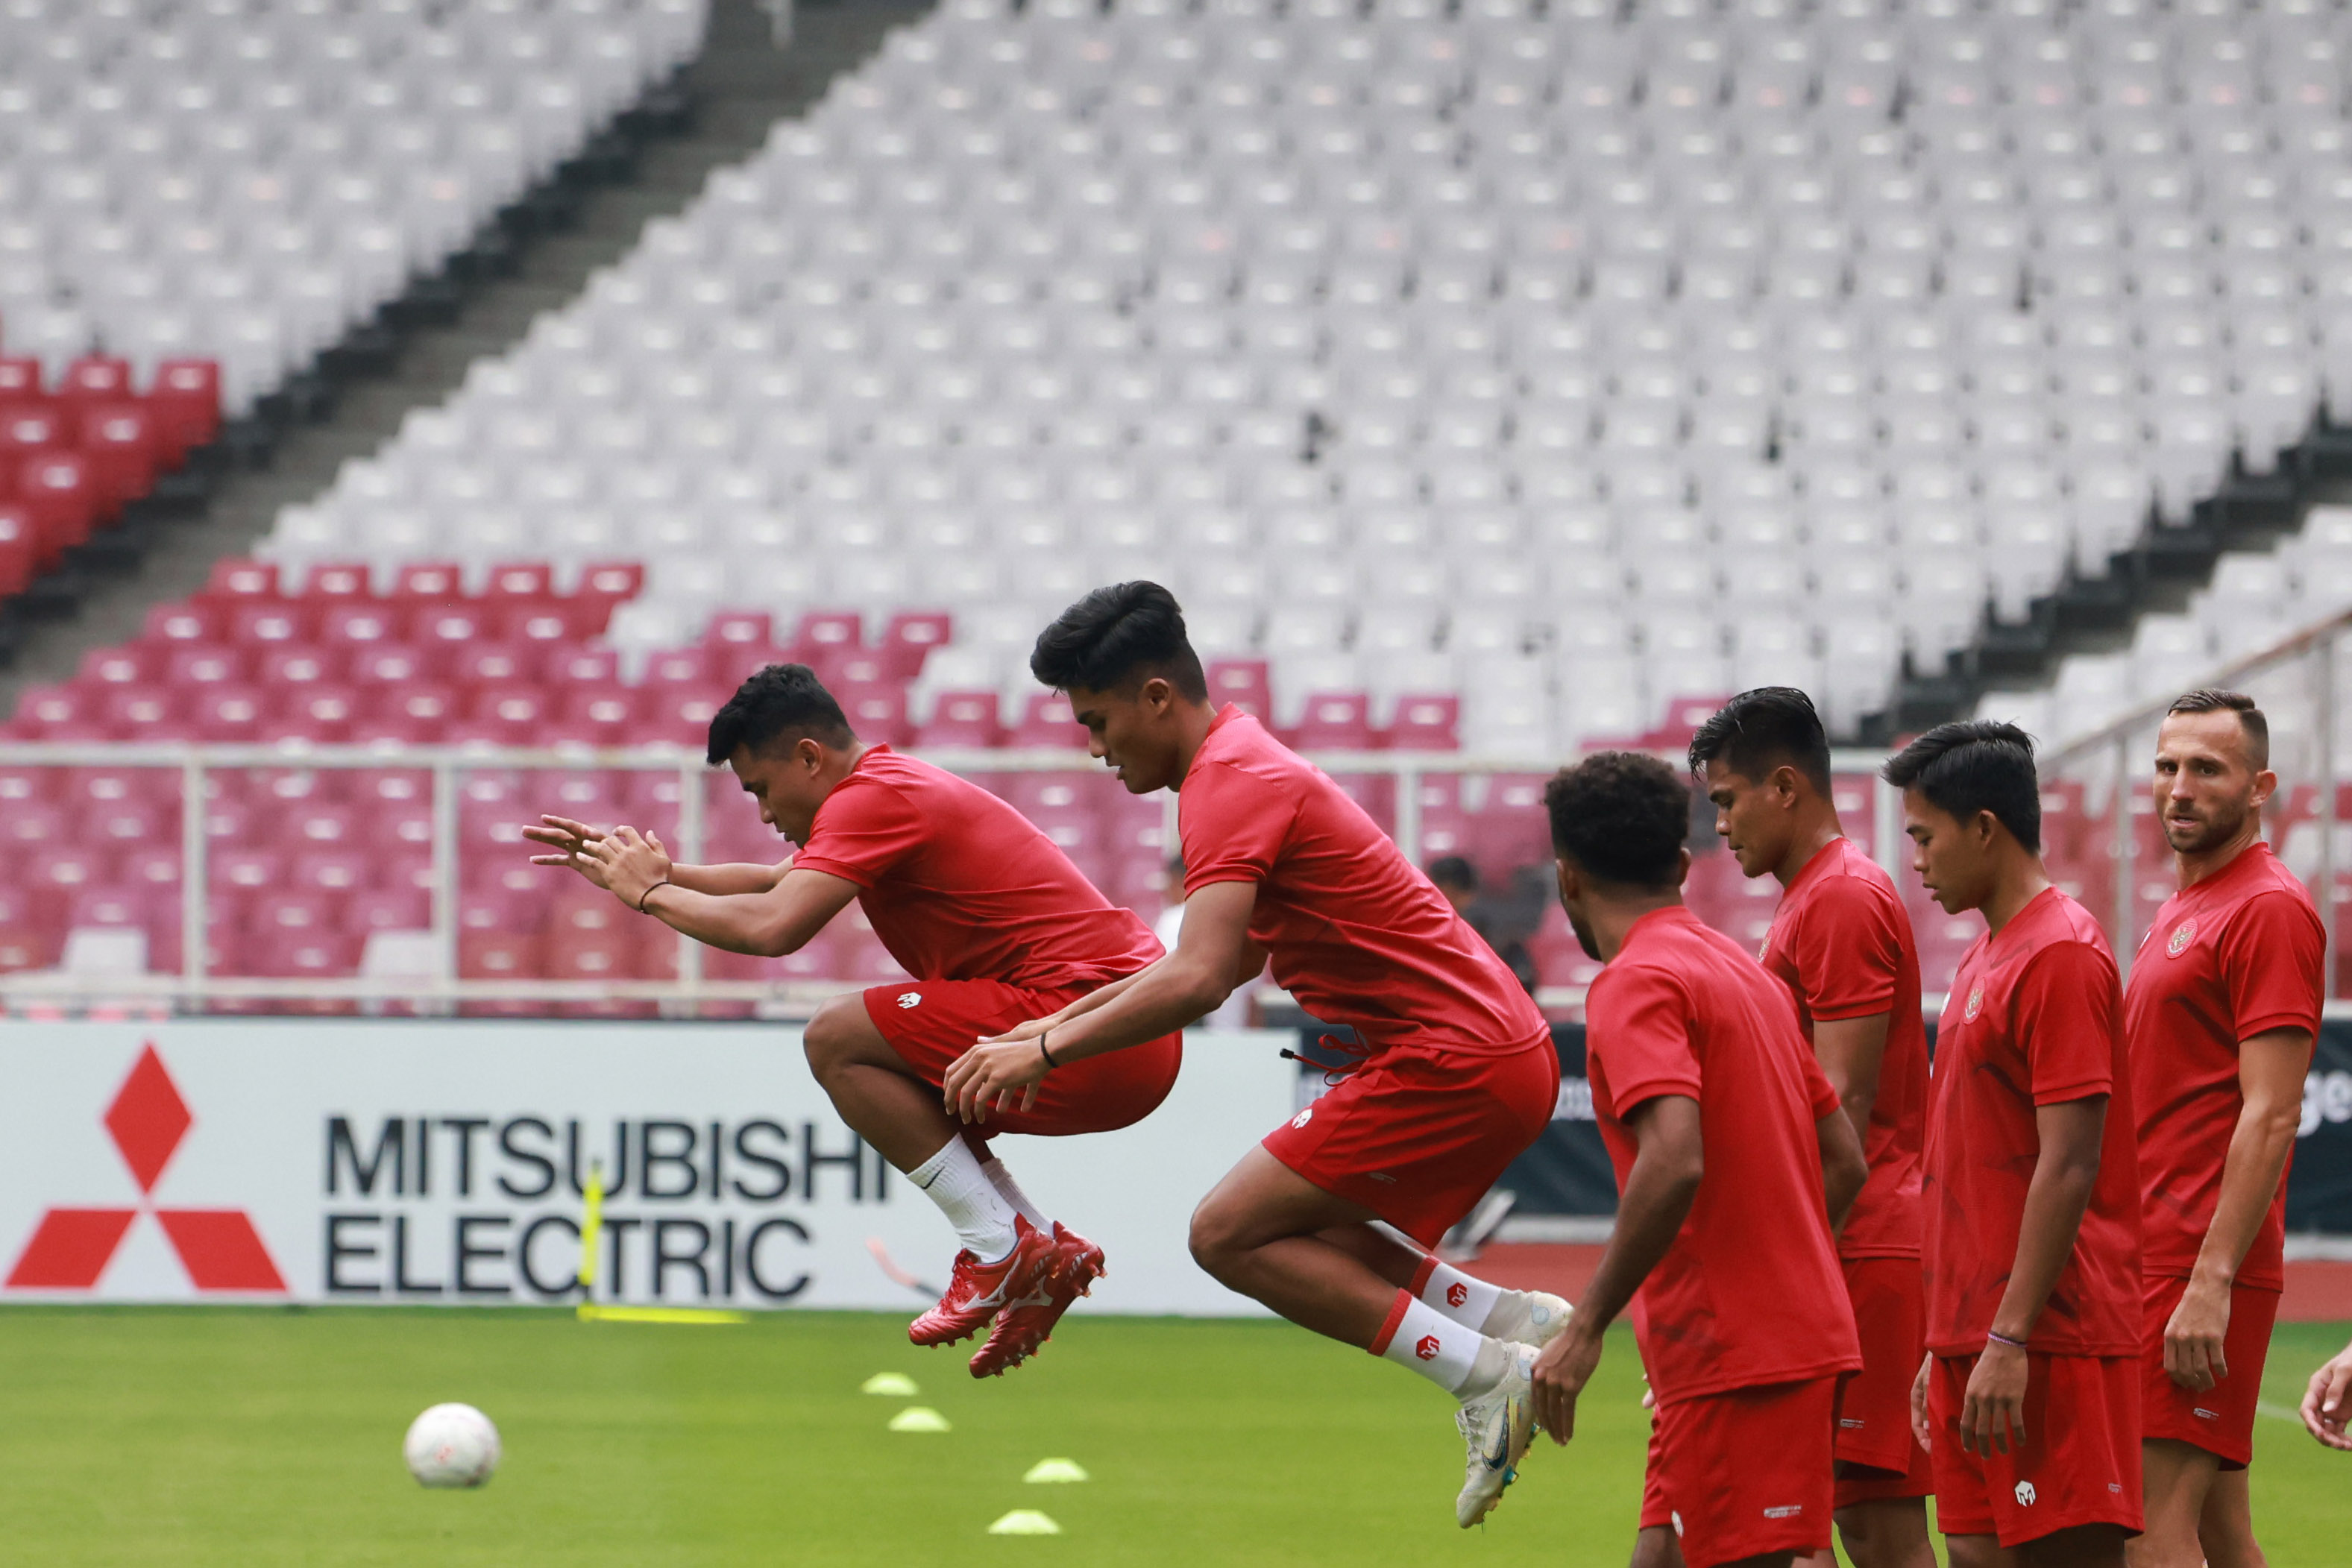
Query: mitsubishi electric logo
[{"x": 70, "y": 1248}]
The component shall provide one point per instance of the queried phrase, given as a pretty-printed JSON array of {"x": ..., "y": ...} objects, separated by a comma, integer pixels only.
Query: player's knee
[
  {"x": 830, "y": 1039},
  {"x": 1214, "y": 1239}
]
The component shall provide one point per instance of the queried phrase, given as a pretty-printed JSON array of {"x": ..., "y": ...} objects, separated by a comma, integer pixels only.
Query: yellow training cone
[
  {"x": 1025, "y": 1522},
  {"x": 1057, "y": 1470},
  {"x": 918, "y": 1418},
  {"x": 897, "y": 1384}
]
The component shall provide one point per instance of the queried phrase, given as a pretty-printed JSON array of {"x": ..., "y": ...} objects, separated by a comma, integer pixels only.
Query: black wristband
[
  {"x": 1050, "y": 1063},
  {"x": 649, "y": 894}
]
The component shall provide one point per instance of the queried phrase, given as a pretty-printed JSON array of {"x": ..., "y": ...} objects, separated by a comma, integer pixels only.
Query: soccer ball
[{"x": 451, "y": 1446}]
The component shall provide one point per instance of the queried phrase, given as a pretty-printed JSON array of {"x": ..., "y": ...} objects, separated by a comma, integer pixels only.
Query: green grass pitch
[{"x": 267, "y": 1437}]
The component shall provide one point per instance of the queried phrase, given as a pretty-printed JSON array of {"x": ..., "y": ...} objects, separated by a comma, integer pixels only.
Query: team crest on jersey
[
  {"x": 2182, "y": 935},
  {"x": 1303, "y": 1117},
  {"x": 1976, "y": 1003}
]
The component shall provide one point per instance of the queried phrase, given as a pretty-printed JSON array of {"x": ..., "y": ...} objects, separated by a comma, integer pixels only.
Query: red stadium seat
[
  {"x": 95, "y": 379},
  {"x": 305, "y": 954},
  {"x": 909, "y": 638},
  {"x": 57, "y": 490},
  {"x": 136, "y": 712},
  {"x": 492, "y": 664},
  {"x": 432, "y": 581},
  {"x": 299, "y": 664},
  {"x": 598, "y": 715},
  {"x": 358, "y": 624},
  {"x": 1047, "y": 721},
  {"x": 1431, "y": 722},
  {"x": 46, "y": 710},
  {"x": 271, "y": 621},
  {"x": 517, "y": 713},
  {"x": 20, "y": 547},
  {"x": 125, "y": 450},
  {"x": 193, "y": 621},
  {"x": 961, "y": 718},
  {"x": 237, "y": 578},
  {"x": 878, "y": 713},
  {"x": 387, "y": 909},
  {"x": 20, "y": 380},
  {"x": 389, "y": 664},
  {"x": 824, "y": 635},
  {"x": 33, "y": 824},
  {"x": 1336, "y": 721},
  {"x": 30, "y": 428},
  {"x": 524, "y": 581},
  {"x": 336, "y": 584},
  {"x": 681, "y": 715},
  {"x": 543, "y": 621},
  {"x": 334, "y": 873},
  {"x": 449, "y": 623},
  {"x": 688, "y": 667},
  {"x": 1241, "y": 682},
  {"x": 203, "y": 664},
  {"x": 288, "y": 911},
  {"x": 577, "y": 666},
  {"x": 230, "y": 713},
  {"x": 614, "y": 955},
  {"x": 186, "y": 400}
]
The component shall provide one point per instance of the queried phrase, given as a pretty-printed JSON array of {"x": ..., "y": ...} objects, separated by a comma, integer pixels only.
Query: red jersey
[
  {"x": 1750, "y": 1291},
  {"x": 2035, "y": 1018},
  {"x": 1842, "y": 942},
  {"x": 961, "y": 886},
  {"x": 2229, "y": 958},
  {"x": 1357, "y": 935}
]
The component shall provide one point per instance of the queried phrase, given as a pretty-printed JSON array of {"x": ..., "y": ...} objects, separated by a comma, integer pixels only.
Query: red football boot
[
  {"x": 977, "y": 1292},
  {"x": 1029, "y": 1318}
]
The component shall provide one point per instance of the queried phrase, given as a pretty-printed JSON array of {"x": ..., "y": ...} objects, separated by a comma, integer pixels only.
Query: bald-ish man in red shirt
[
  {"x": 1734, "y": 1161},
  {"x": 2029, "y": 1398},
  {"x": 1458, "y": 1075},
  {"x": 1840, "y": 941},
  {"x": 980, "y": 906},
  {"x": 2220, "y": 1016}
]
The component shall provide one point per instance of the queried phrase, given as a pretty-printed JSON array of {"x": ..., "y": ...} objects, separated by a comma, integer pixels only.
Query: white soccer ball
[{"x": 451, "y": 1446}]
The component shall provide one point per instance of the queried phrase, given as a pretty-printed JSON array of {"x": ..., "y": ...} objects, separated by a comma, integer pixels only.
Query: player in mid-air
[
  {"x": 2221, "y": 1015},
  {"x": 989, "y": 916},
  {"x": 1842, "y": 942},
  {"x": 2029, "y": 1398},
  {"x": 1734, "y": 1161},
  {"x": 1458, "y": 1075}
]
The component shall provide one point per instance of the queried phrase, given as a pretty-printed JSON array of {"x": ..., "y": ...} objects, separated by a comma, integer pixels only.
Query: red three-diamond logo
[{"x": 219, "y": 1246}]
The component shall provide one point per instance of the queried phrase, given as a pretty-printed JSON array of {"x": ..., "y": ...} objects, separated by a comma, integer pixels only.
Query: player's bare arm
[
  {"x": 2327, "y": 1403},
  {"x": 1180, "y": 988},
  {"x": 1993, "y": 1411},
  {"x": 768, "y": 923},
  {"x": 1843, "y": 1169},
  {"x": 568, "y": 837},
  {"x": 2270, "y": 1067},
  {"x": 1659, "y": 1188},
  {"x": 1852, "y": 1051}
]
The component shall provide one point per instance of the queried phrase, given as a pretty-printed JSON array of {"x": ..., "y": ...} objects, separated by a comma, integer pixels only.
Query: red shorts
[
  {"x": 1733, "y": 1475},
  {"x": 2079, "y": 1463},
  {"x": 1873, "y": 1417},
  {"x": 2221, "y": 1419},
  {"x": 930, "y": 1023},
  {"x": 1417, "y": 1136}
]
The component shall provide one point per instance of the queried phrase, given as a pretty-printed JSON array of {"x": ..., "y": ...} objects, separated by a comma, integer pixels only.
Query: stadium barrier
[{"x": 423, "y": 1162}]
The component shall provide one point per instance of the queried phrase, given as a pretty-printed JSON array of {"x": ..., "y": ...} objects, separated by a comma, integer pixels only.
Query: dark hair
[
  {"x": 1622, "y": 816},
  {"x": 1975, "y": 765},
  {"x": 2206, "y": 699},
  {"x": 1453, "y": 871},
  {"x": 1760, "y": 730},
  {"x": 776, "y": 707},
  {"x": 1119, "y": 637}
]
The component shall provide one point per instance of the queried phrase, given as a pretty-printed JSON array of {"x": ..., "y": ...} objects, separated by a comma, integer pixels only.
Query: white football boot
[
  {"x": 1497, "y": 1426},
  {"x": 1528, "y": 1317}
]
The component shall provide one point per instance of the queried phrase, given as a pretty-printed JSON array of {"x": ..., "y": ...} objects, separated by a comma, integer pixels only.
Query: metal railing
[{"x": 2298, "y": 683}]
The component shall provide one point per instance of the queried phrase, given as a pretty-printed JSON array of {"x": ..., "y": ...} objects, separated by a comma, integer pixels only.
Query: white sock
[
  {"x": 1011, "y": 1191},
  {"x": 982, "y": 1219},
  {"x": 1457, "y": 1294},
  {"x": 1447, "y": 1352}
]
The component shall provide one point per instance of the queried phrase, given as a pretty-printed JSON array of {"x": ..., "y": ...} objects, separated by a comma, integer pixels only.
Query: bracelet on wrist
[
  {"x": 649, "y": 894},
  {"x": 2004, "y": 1339},
  {"x": 1050, "y": 1063}
]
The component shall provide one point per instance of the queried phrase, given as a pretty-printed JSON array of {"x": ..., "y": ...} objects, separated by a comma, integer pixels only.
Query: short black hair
[
  {"x": 1119, "y": 637},
  {"x": 776, "y": 707},
  {"x": 1624, "y": 816},
  {"x": 2209, "y": 699},
  {"x": 1760, "y": 730},
  {"x": 1453, "y": 871},
  {"x": 1975, "y": 765}
]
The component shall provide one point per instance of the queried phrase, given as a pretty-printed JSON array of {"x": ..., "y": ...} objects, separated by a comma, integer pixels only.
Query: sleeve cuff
[
  {"x": 2263, "y": 1023},
  {"x": 834, "y": 868},
  {"x": 1632, "y": 1097},
  {"x": 2067, "y": 1094},
  {"x": 1848, "y": 1011}
]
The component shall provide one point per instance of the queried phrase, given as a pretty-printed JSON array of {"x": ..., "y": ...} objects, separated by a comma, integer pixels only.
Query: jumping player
[
  {"x": 2029, "y": 1395},
  {"x": 1842, "y": 942},
  {"x": 2219, "y": 1016},
  {"x": 1459, "y": 1073},
  {"x": 1734, "y": 1161},
  {"x": 978, "y": 905}
]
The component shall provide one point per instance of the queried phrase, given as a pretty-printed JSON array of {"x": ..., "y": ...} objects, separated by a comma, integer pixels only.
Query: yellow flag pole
[{"x": 591, "y": 1227}]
